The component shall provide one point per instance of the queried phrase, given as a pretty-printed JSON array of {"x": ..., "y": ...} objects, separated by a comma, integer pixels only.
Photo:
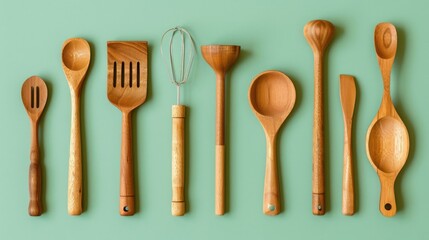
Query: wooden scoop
[
  {"x": 271, "y": 97},
  {"x": 220, "y": 58},
  {"x": 34, "y": 94},
  {"x": 387, "y": 140},
  {"x": 76, "y": 56},
  {"x": 127, "y": 89},
  {"x": 348, "y": 99},
  {"x": 319, "y": 34}
]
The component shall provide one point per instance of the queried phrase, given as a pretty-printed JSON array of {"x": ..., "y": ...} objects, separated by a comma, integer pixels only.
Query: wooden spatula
[
  {"x": 126, "y": 89},
  {"x": 348, "y": 99}
]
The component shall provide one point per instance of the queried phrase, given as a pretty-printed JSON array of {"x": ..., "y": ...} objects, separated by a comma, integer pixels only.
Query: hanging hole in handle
[
  {"x": 319, "y": 207},
  {"x": 126, "y": 209},
  {"x": 388, "y": 206}
]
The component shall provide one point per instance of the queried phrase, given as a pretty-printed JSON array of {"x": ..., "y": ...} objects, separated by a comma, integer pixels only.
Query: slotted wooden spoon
[
  {"x": 34, "y": 94},
  {"x": 127, "y": 89},
  {"x": 387, "y": 140}
]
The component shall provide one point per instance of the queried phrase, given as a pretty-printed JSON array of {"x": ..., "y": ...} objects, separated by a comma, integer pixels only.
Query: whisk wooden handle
[
  {"x": 35, "y": 175},
  {"x": 75, "y": 160},
  {"x": 178, "y": 207},
  {"x": 126, "y": 200}
]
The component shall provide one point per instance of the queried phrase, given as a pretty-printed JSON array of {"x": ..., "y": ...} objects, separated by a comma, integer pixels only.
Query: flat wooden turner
[{"x": 126, "y": 89}]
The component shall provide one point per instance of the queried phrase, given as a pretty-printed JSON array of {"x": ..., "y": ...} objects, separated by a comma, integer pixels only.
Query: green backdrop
[{"x": 271, "y": 36}]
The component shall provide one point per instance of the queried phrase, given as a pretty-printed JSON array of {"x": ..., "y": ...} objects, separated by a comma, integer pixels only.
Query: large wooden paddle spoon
[
  {"x": 271, "y": 97},
  {"x": 319, "y": 34},
  {"x": 76, "y": 56},
  {"x": 34, "y": 94},
  {"x": 387, "y": 141},
  {"x": 220, "y": 58}
]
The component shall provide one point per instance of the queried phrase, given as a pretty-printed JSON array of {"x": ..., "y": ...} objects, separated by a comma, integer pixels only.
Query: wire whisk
[{"x": 186, "y": 60}]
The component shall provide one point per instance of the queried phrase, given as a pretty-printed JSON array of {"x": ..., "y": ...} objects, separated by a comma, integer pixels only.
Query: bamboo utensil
[
  {"x": 127, "y": 89},
  {"x": 348, "y": 98},
  {"x": 178, "y": 206},
  {"x": 34, "y": 94},
  {"x": 76, "y": 56},
  {"x": 319, "y": 34},
  {"x": 387, "y": 140},
  {"x": 220, "y": 58},
  {"x": 271, "y": 97}
]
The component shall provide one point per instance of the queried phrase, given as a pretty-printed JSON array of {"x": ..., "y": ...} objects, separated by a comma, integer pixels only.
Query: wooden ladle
[
  {"x": 220, "y": 58},
  {"x": 319, "y": 34},
  {"x": 76, "y": 56},
  {"x": 34, "y": 94},
  {"x": 387, "y": 140},
  {"x": 271, "y": 97}
]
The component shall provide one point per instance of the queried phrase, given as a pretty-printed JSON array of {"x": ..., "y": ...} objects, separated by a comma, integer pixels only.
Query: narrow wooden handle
[
  {"x": 318, "y": 140},
  {"x": 220, "y": 145},
  {"x": 35, "y": 175},
  {"x": 178, "y": 207},
  {"x": 271, "y": 205},
  {"x": 127, "y": 198},
  {"x": 75, "y": 160},
  {"x": 220, "y": 180},
  {"x": 348, "y": 184},
  {"x": 387, "y": 197}
]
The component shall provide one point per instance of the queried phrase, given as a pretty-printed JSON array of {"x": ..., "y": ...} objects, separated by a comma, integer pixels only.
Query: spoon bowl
[
  {"x": 76, "y": 56},
  {"x": 271, "y": 97},
  {"x": 385, "y": 39},
  {"x": 388, "y": 145}
]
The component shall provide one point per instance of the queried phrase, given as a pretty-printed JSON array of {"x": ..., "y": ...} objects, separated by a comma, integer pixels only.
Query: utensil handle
[
  {"x": 126, "y": 201},
  {"x": 348, "y": 183},
  {"x": 178, "y": 207},
  {"x": 318, "y": 139},
  {"x": 220, "y": 145},
  {"x": 271, "y": 205},
  {"x": 75, "y": 160},
  {"x": 387, "y": 197},
  {"x": 35, "y": 174}
]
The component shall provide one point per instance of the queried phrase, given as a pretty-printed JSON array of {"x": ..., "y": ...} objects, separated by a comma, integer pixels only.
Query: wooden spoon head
[
  {"x": 386, "y": 40},
  {"x": 76, "y": 56},
  {"x": 34, "y": 94},
  {"x": 272, "y": 97},
  {"x": 220, "y": 57},
  {"x": 319, "y": 34},
  {"x": 388, "y": 145}
]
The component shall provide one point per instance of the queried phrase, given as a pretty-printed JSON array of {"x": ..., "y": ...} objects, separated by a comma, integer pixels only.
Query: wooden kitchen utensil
[
  {"x": 187, "y": 50},
  {"x": 387, "y": 140},
  {"x": 319, "y": 34},
  {"x": 348, "y": 99},
  {"x": 76, "y": 56},
  {"x": 127, "y": 89},
  {"x": 34, "y": 94},
  {"x": 271, "y": 97},
  {"x": 220, "y": 58}
]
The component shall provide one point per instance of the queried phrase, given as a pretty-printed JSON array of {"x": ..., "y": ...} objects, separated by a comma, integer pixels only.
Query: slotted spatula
[{"x": 126, "y": 89}]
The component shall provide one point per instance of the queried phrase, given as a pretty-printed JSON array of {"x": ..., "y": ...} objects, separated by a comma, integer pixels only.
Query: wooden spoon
[
  {"x": 271, "y": 97},
  {"x": 348, "y": 99},
  {"x": 387, "y": 140},
  {"x": 34, "y": 94},
  {"x": 76, "y": 56},
  {"x": 319, "y": 34},
  {"x": 220, "y": 58}
]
